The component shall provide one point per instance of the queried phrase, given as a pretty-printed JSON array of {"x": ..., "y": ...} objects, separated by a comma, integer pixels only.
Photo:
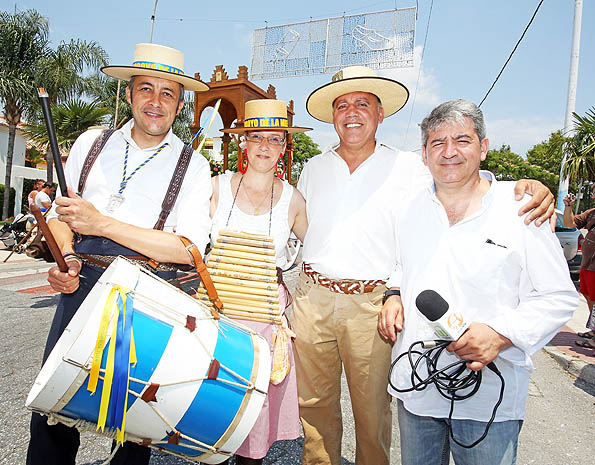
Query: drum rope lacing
[{"x": 90, "y": 427}]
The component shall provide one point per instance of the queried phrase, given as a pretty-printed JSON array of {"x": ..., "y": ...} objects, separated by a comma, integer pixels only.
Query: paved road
[{"x": 559, "y": 429}]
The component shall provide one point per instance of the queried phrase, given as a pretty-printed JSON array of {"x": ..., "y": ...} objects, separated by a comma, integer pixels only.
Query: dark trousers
[{"x": 58, "y": 444}]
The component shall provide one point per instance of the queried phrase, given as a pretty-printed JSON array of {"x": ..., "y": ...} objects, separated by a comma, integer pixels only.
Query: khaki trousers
[{"x": 332, "y": 330}]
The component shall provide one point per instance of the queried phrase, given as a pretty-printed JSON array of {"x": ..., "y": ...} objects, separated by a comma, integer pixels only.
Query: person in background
[
  {"x": 37, "y": 185},
  {"x": 43, "y": 199},
  {"x": 585, "y": 220}
]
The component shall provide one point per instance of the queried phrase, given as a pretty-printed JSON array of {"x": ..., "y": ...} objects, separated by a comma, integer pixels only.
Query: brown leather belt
[
  {"x": 343, "y": 286},
  {"x": 103, "y": 261}
]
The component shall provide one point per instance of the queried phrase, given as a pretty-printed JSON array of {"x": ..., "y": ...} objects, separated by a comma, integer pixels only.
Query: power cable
[
  {"x": 511, "y": 54},
  {"x": 419, "y": 72}
]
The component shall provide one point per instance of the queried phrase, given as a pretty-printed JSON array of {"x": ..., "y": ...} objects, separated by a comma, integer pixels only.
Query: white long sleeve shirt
[
  {"x": 145, "y": 191},
  {"x": 519, "y": 285},
  {"x": 351, "y": 215}
]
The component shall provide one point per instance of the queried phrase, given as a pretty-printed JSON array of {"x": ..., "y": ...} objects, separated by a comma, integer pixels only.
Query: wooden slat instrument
[{"x": 243, "y": 269}]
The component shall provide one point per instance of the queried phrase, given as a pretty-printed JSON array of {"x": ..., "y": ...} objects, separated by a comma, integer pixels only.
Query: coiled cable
[{"x": 449, "y": 380}]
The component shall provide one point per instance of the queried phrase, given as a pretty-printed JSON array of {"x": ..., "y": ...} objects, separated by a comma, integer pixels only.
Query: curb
[{"x": 576, "y": 366}]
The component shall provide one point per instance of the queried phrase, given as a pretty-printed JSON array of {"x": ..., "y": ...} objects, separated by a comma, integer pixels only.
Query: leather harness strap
[
  {"x": 174, "y": 186},
  {"x": 171, "y": 194},
  {"x": 94, "y": 152},
  {"x": 201, "y": 269}
]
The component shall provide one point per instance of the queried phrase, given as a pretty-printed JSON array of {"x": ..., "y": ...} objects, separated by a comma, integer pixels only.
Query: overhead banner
[{"x": 383, "y": 39}]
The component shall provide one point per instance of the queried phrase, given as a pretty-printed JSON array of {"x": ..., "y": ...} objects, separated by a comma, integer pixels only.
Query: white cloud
[
  {"x": 520, "y": 133},
  {"x": 427, "y": 94}
]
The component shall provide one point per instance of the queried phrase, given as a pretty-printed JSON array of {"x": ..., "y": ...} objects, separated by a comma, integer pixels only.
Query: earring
[
  {"x": 282, "y": 170},
  {"x": 243, "y": 162}
]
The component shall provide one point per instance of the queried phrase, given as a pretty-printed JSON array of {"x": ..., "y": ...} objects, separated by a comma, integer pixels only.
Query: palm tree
[
  {"x": 103, "y": 90},
  {"x": 28, "y": 62},
  {"x": 580, "y": 147},
  {"x": 71, "y": 119},
  {"x": 23, "y": 41},
  {"x": 184, "y": 120},
  {"x": 60, "y": 73}
]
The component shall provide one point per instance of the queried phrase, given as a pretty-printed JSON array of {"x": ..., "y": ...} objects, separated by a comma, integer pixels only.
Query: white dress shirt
[
  {"x": 519, "y": 285},
  {"x": 351, "y": 215},
  {"x": 145, "y": 191}
]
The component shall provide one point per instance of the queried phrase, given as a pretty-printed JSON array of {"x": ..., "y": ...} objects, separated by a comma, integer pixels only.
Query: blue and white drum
[{"x": 194, "y": 387}]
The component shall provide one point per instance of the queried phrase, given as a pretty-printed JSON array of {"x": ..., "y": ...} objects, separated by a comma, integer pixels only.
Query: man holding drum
[
  {"x": 122, "y": 209},
  {"x": 352, "y": 191}
]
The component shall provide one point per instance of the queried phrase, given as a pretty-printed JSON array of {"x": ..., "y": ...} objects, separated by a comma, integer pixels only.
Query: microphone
[{"x": 446, "y": 323}]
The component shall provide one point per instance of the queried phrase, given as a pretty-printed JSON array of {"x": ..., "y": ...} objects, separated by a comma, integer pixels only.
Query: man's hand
[
  {"x": 569, "y": 200},
  {"x": 80, "y": 215},
  {"x": 541, "y": 206},
  {"x": 67, "y": 282},
  {"x": 481, "y": 344},
  {"x": 390, "y": 318}
]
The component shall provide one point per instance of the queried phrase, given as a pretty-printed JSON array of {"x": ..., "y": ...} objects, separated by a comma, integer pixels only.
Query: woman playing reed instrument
[{"x": 255, "y": 200}]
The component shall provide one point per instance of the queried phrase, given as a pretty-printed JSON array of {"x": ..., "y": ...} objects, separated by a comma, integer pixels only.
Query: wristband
[
  {"x": 67, "y": 255},
  {"x": 390, "y": 292}
]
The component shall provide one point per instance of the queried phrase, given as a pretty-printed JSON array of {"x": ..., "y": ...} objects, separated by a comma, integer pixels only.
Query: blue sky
[{"x": 468, "y": 42}]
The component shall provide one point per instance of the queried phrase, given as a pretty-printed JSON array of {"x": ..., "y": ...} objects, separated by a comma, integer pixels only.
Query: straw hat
[
  {"x": 392, "y": 94},
  {"x": 265, "y": 115},
  {"x": 156, "y": 61}
]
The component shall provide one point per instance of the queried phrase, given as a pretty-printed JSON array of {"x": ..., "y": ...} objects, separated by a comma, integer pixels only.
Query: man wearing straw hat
[
  {"x": 352, "y": 191},
  {"x": 123, "y": 179}
]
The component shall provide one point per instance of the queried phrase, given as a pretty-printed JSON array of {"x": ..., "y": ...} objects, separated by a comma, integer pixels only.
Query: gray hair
[
  {"x": 181, "y": 98},
  {"x": 453, "y": 111}
]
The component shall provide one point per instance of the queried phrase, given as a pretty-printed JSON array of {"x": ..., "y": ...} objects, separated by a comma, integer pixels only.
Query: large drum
[{"x": 194, "y": 384}]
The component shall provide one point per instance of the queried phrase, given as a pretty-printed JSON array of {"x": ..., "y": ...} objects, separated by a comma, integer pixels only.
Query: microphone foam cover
[{"x": 431, "y": 304}]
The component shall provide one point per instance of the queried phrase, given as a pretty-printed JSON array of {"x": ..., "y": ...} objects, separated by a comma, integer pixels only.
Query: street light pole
[
  {"x": 571, "y": 97},
  {"x": 153, "y": 21}
]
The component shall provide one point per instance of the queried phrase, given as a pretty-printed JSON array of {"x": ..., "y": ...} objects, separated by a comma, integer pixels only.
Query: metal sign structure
[{"x": 383, "y": 39}]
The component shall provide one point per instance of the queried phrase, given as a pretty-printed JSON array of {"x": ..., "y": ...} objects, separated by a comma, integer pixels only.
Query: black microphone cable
[{"x": 449, "y": 380}]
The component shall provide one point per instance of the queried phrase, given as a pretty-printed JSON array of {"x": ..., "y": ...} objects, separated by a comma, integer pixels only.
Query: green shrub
[{"x": 10, "y": 202}]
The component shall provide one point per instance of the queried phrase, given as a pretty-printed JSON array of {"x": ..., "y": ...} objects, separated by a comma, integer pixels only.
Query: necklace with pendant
[
  {"x": 117, "y": 199},
  {"x": 236, "y": 196},
  {"x": 257, "y": 207}
]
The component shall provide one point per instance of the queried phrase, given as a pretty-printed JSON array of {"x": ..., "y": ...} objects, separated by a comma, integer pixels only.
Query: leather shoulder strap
[
  {"x": 174, "y": 186},
  {"x": 202, "y": 271},
  {"x": 94, "y": 152}
]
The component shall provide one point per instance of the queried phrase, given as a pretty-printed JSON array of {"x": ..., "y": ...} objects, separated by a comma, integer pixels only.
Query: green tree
[
  {"x": 23, "y": 41},
  {"x": 548, "y": 154},
  {"x": 71, "y": 119},
  {"x": 304, "y": 148},
  {"x": 104, "y": 92},
  {"x": 28, "y": 62},
  {"x": 184, "y": 120},
  {"x": 508, "y": 166},
  {"x": 60, "y": 72},
  {"x": 580, "y": 147}
]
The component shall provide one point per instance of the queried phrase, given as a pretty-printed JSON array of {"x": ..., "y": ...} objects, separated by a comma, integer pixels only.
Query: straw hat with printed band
[
  {"x": 157, "y": 61},
  {"x": 265, "y": 115},
  {"x": 392, "y": 94}
]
